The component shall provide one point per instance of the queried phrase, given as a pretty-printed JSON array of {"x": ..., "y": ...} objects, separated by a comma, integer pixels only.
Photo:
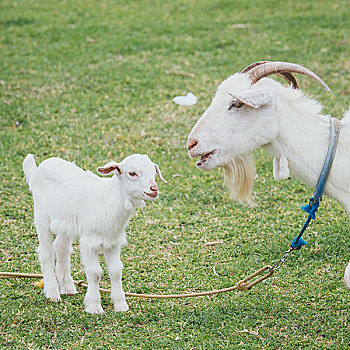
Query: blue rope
[{"x": 314, "y": 202}]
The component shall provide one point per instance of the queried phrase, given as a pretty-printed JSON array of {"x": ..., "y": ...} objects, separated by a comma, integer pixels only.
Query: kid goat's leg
[
  {"x": 89, "y": 256},
  {"x": 115, "y": 267},
  {"x": 63, "y": 249},
  {"x": 47, "y": 259}
]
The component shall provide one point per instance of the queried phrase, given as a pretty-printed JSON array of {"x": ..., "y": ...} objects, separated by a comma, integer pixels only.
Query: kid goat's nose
[{"x": 154, "y": 188}]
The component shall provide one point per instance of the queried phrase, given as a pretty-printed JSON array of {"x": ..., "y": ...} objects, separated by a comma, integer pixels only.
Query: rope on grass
[{"x": 243, "y": 285}]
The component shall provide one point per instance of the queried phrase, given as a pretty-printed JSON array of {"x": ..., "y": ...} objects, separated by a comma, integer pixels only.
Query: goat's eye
[
  {"x": 132, "y": 174},
  {"x": 235, "y": 104}
]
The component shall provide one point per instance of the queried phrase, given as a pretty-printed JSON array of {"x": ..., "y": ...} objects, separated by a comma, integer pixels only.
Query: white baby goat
[
  {"x": 76, "y": 204},
  {"x": 249, "y": 112}
]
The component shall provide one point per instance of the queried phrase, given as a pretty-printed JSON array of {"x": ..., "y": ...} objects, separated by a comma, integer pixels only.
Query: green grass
[{"x": 63, "y": 94}]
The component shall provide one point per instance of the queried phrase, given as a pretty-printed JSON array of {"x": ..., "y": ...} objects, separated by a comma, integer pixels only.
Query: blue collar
[{"x": 314, "y": 202}]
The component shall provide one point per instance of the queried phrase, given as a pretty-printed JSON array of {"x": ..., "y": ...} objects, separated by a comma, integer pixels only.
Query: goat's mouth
[
  {"x": 152, "y": 195},
  {"x": 204, "y": 158}
]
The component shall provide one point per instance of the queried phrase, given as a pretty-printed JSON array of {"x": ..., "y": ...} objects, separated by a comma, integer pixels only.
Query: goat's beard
[{"x": 239, "y": 176}]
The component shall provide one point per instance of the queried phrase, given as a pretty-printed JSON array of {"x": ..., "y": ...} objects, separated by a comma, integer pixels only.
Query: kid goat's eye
[
  {"x": 132, "y": 173},
  {"x": 236, "y": 104}
]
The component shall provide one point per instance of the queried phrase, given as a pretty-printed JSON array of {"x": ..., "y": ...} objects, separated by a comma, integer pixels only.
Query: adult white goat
[
  {"x": 72, "y": 203},
  {"x": 249, "y": 112}
]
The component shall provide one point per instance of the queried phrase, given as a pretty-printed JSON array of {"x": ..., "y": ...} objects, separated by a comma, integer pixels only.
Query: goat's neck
[
  {"x": 119, "y": 199},
  {"x": 303, "y": 141}
]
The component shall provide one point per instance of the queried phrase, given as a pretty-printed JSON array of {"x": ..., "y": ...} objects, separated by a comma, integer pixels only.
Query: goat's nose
[
  {"x": 191, "y": 143},
  {"x": 154, "y": 188}
]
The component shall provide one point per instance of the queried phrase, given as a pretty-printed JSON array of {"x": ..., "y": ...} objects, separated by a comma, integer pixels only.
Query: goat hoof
[
  {"x": 94, "y": 310},
  {"x": 121, "y": 307},
  {"x": 55, "y": 299},
  {"x": 69, "y": 290},
  {"x": 54, "y": 296}
]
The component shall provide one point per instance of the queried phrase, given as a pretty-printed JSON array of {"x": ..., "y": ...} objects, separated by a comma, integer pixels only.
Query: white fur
[
  {"x": 285, "y": 122},
  {"x": 280, "y": 168},
  {"x": 75, "y": 204}
]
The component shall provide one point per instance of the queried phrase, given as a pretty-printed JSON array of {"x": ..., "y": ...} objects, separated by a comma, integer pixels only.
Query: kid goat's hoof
[
  {"x": 94, "y": 310},
  {"x": 121, "y": 307}
]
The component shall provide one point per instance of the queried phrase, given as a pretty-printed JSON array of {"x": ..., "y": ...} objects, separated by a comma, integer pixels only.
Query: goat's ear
[
  {"x": 159, "y": 173},
  {"x": 110, "y": 167},
  {"x": 254, "y": 98}
]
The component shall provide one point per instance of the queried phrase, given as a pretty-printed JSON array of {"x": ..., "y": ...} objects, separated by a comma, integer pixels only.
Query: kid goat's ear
[
  {"x": 159, "y": 173},
  {"x": 110, "y": 167}
]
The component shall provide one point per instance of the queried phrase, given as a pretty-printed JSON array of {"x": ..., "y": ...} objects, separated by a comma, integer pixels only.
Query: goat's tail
[{"x": 29, "y": 166}]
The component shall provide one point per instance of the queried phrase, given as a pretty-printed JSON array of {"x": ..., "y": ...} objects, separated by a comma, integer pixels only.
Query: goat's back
[
  {"x": 57, "y": 182},
  {"x": 62, "y": 172}
]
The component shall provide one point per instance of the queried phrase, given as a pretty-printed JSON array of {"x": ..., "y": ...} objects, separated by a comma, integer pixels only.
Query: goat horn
[
  {"x": 253, "y": 65},
  {"x": 290, "y": 78},
  {"x": 285, "y": 69},
  {"x": 287, "y": 76}
]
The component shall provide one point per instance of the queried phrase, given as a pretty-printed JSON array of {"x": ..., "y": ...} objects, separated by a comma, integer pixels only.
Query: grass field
[{"x": 93, "y": 81}]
